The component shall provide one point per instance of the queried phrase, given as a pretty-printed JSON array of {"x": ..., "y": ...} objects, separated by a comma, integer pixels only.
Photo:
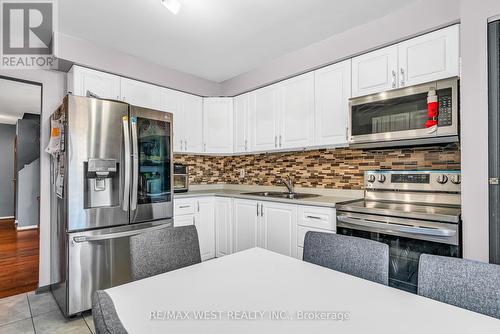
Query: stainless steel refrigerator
[{"x": 112, "y": 178}]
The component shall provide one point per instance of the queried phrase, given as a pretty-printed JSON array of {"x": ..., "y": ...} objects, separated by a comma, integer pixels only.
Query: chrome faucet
[{"x": 288, "y": 183}]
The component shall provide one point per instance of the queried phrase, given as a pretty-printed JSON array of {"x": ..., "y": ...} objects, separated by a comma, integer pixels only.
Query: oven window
[{"x": 404, "y": 254}]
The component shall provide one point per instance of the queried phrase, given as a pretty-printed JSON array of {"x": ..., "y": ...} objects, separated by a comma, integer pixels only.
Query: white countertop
[
  {"x": 326, "y": 198},
  {"x": 256, "y": 282}
]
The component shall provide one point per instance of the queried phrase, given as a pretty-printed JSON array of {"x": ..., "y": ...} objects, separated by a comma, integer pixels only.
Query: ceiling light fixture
[{"x": 172, "y": 5}]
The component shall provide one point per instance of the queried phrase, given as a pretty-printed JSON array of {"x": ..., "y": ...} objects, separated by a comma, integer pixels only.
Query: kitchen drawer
[
  {"x": 301, "y": 233},
  {"x": 184, "y": 220},
  {"x": 317, "y": 217},
  {"x": 185, "y": 207}
]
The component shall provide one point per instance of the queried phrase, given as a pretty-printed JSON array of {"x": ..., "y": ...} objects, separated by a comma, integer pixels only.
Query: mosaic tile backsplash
[{"x": 340, "y": 168}]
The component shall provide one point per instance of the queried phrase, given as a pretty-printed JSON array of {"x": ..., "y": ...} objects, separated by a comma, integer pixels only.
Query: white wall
[
  {"x": 85, "y": 53},
  {"x": 54, "y": 84},
  {"x": 417, "y": 18},
  {"x": 474, "y": 125}
]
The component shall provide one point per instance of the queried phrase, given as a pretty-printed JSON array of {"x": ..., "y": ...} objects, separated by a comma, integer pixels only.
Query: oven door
[
  {"x": 407, "y": 240},
  {"x": 401, "y": 114}
]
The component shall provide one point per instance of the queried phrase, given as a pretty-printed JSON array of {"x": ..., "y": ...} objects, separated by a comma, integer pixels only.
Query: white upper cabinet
[
  {"x": 429, "y": 57},
  {"x": 172, "y": 103},
  {"x": 188, "y": 120},
  {"x": 246, "y": 224},
  {"x": 141, "y": 94},
  {"x": 242, "y": 105},
  {"x": 296, "y": 112},
  {"x": 264, "y": 119},
  {"x": 218, "y": 125},
  {"x": 192, "y": 107},
  {"x": 332, "y": 93},
  {"x": 376, "y": 71},
  {"x": 278, "y": 231},
  {"x": 83, "y": 81}
]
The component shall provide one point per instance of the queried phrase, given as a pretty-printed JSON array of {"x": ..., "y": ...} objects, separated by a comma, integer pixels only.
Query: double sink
[{"x": 279, "y": 194}]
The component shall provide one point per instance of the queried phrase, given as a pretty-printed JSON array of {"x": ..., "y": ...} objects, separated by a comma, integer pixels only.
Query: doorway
[{"x": 20, "y": 116}]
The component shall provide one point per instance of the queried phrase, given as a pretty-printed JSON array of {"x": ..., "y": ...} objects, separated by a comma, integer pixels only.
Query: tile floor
[{"x": 31, "y": 313}]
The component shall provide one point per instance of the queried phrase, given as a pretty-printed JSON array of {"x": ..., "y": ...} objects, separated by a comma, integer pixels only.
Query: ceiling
[
  {"x": 18, "y": 98},
  {"x": 215, "y": 39}
]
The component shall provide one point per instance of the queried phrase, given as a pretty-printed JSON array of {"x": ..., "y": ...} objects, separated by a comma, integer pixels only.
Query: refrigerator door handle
[
  {"x": 135, "y": 164},
  {"x": 82, "y": 238},
  {"x": 126, "y": 186}
]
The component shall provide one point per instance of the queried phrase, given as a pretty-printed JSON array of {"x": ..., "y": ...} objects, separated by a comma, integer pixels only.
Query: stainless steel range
[{"x": 414, "y": 212}]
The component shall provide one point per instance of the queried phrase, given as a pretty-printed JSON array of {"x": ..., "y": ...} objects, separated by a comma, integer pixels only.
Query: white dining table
[{"x": 258, "y": 291}]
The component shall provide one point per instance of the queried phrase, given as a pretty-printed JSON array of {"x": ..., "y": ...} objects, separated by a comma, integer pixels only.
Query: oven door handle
[{"x": 395, "y": 227}]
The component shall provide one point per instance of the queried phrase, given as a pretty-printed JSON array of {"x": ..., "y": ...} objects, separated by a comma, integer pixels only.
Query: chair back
[
  {"x": 471, "y": 285},
  {"x": 359, "y": 257},
  {"x": 160, "y": 251}
]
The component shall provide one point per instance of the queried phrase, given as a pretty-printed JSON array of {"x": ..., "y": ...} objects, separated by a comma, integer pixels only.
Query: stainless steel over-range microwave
[{"x": 399, "y": 117}]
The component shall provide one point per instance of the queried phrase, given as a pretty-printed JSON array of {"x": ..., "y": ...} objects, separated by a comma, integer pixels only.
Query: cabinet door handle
[
  {"x": 262, "y": 210},
  {"x": 185, "y": 145},
  {"x": 402, "y": 77},
  {"x": 257, "y": 209},
  {"x": 275, "y": 141},
  {"x": 280, "y": 140},
  {"x": 246, "y": 145},
  {"x": 314, "y": 217},
  {"x": 184, "y": 206},
  {"x": 393, "y": 79},
  {"x": 198, "y": 206}
]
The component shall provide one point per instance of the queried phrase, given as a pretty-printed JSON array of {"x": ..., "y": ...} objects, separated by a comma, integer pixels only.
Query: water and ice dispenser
[{"x": 102, "y": 183}]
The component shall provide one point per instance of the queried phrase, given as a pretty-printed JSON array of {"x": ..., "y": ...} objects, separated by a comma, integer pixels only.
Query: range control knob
[
  {"x": 371, "y": 178},
  {"x": 381, "y": 178},
  {"x": 456, "y": 179},
  {"x": 442, "y": 179}
]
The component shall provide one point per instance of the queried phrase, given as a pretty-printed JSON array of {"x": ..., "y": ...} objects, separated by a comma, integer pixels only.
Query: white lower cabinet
[
  {"x": 223, "y": 226},
  {"x": 312, "y": 218},
  {"x": 198, "y": 212},
  {"x": 278, "y": 228},
  {"x": 228, "y": 225},
  {"x": 269, "y": 225},
  {"x": 246, "y": 223}
]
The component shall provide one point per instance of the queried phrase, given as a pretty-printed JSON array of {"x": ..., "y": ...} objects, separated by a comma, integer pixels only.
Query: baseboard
[
  {"x": 22, "y": 228},
  {"x": 42, "y": 289}
]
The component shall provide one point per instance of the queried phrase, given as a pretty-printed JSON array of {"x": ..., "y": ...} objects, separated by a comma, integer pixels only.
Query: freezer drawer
[{"x": 100, "y": 260}]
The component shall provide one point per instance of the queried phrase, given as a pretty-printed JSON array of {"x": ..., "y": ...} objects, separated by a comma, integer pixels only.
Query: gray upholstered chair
[
  {"x": 160, "y": 251},
  {"x": 467, "y": 284},
  {"x": 359, "y": 257},
  {"x": 106, "y": 320}
]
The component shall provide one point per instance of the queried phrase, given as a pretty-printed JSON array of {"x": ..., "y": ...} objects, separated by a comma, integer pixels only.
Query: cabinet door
[
  {"x": 172, "y": 102},
  {"x": 241, "y": 123},
  {"x": 184, "y": 220},
  {"x": 83, "y": 81},
  {"x": 218, "y": 125},
  {"x": 192, "y": 108},
  {"x": 141, "y": 94},
  {"x": 205, "y": 225},
  {"x": 332, "y": 93},
  {"x": 245, "y": 225},
  {"x": 223, "y": 226},
  {"x": 375, "y": 71},
  {"x": 278, "y": 231},
  {"x": 264, "y": 119},
  {"x": 429, "y": 57},
  {"x": 296, "y": 116}
]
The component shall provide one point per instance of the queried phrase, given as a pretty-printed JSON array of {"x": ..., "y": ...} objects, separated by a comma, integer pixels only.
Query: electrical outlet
[{"x": 242, "y": 173}]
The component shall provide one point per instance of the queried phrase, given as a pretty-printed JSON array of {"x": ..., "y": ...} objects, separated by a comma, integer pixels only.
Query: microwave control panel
[{"x": 444, "y": 111}]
